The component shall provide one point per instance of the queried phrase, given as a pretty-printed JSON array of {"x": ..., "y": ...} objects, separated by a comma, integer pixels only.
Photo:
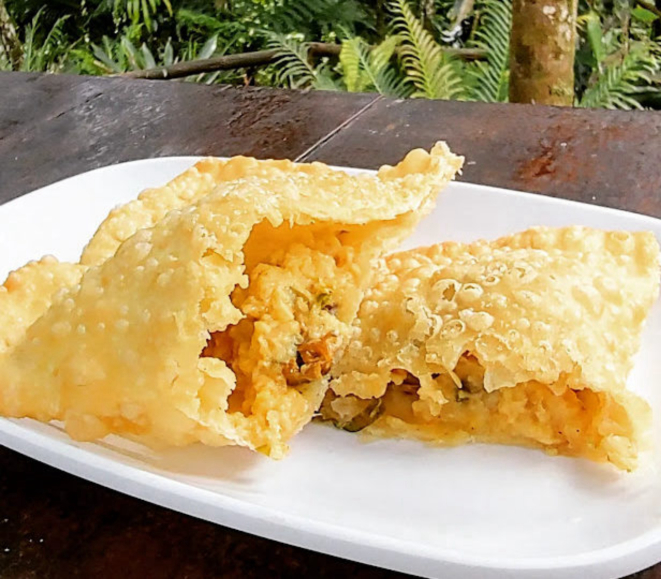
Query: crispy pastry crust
[
  {"x": 540, "y": 319},
  {"x": 28, "y": 292},
  {"x": 418, "y": 169}
]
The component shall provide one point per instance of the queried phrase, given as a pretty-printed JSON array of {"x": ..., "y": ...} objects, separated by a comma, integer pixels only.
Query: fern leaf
[
  {"x": 294, "y": 69},
  {"x": 388, "y": 82},
  {"x": 47, "y": 54},
  {"x": 595, "y": 36},
  {"x": 489, "y": 79},
  {"x": 378, "y": 69},
  {"x": 288, "y": 16},
  {"x": 382, "y": 53},
  {"x": 29, "y": 44},
  {"x": 326, "y": 15},
  {"x": 366, "y": 69},
  {"x": 621, "y": 81},
  {"x": 431, "y": 72},
  {"x": 350, "y": 63}
]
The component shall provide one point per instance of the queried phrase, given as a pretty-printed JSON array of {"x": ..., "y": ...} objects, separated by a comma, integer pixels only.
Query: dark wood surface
[{"x": 55, "y": 525}]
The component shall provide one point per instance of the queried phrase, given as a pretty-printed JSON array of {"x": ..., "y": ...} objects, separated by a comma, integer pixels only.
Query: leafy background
[{"x": 399, "y": 48}]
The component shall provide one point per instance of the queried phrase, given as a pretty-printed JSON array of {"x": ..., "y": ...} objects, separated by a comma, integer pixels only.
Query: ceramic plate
[{"x": 473, "y": 511}]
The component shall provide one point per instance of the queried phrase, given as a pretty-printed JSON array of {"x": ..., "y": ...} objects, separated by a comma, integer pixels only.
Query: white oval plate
[{"x": 473, "y": 512}]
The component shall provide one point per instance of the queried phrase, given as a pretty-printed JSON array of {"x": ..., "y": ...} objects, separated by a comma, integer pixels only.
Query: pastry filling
[
  {"x": 283, "y": 347},
  {"x": 454, "y": 407}
]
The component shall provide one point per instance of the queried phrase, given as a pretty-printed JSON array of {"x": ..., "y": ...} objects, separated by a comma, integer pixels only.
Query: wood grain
[
  {"x": 74, "y": 126},
  {"x": 609, "y": 158}
]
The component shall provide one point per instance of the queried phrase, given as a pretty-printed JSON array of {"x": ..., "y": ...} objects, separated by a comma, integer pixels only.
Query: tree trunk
[
  {"x": 10, "y": 45},
  {"x": 542, "y": 48}
]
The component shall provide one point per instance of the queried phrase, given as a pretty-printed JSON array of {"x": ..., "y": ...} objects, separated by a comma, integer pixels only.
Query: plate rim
[
  {"x": 460, "y": 184},
  {"x": 21, "y": 439}
]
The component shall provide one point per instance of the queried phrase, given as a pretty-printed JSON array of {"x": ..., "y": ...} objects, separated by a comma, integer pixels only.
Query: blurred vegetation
[{"x": 395, "y": 47}]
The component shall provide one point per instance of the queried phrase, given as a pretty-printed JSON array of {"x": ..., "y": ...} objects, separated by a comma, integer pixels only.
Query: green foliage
[
  {"x": 294, "y": 68},
  {"x": 398, "y": 48},
  {"x": 595, "y": 37},
  {"x": 624, "y": 68},
  {"x": 122, "y": 56},
  {"x": 44, "y": 50},
  {"x": 140, "y": 12},
  {"x": 623, "y": 80},
  {"x": 432, "y": 73},
  {"x": 643, "y": 15},
  {"x": 315, "y": 19},
  {"x": 489, "y": 79},
  {"x": 5, "y": 63},
  {"x": 366, "y": 70}
]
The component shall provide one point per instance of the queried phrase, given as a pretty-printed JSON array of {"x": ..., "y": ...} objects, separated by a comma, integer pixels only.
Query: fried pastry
[
  {"x": 219, "y": 323},
  {"x": 28, "y": 292},
  {"x": 527, "y": 340},
  {"x": 201, "y": 179},
  {"x": 193, "y": 184}
]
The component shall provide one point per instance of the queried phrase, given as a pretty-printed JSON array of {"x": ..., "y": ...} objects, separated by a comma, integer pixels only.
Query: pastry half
[
  {"x": 210, "y": 173},
  {"x": 527, "y": 340},
  {"x": 219, "y": 323}
]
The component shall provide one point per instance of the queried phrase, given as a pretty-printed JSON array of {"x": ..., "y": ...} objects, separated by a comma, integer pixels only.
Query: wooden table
[{"x": 56, "y": 525}]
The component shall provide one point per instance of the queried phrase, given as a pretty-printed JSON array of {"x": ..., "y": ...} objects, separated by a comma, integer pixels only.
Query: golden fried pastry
[
  {"x": 527, "y": 340},
  {"x": 219, "y": 323},
  {"x": 201, "y": 179},
  {"x": 27, "y": 294}
]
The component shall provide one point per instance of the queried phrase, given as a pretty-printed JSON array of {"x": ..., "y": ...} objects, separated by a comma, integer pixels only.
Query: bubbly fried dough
[
  {"x": 190, "y": 331},
  {"x": 201, "y": 179},
  {"x": 153, "y": 204},
  {"x": 27, "y": 293},
  {"x": 526, "y": 340}
]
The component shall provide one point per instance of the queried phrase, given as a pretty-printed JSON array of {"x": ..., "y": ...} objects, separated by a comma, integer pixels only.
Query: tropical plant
[
  {"x": 400, "y": 48},
  {"x": 432, "y": 73},
  {"x": 140, "y": 12},
  {"x": 315, "y": 19},
  {"x": 44, "y": 51},
  {"x": 122, "y": 55},
  {"x": 625, "y": 66},
  {"x": 294, "y": 67},
  {"x": 369, "y": 69},
  {"x": 625, "y": 79},
  {"x": 488, "y": 80}
]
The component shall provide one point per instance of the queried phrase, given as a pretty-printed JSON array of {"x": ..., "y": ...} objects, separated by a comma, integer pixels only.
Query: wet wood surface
[{"x": 53, "y": 524}]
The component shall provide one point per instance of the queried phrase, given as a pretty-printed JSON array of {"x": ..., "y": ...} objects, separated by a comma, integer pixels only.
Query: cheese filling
[
  {"x": 300, "y": 293},
  {"x": 559, "y": 419}
]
